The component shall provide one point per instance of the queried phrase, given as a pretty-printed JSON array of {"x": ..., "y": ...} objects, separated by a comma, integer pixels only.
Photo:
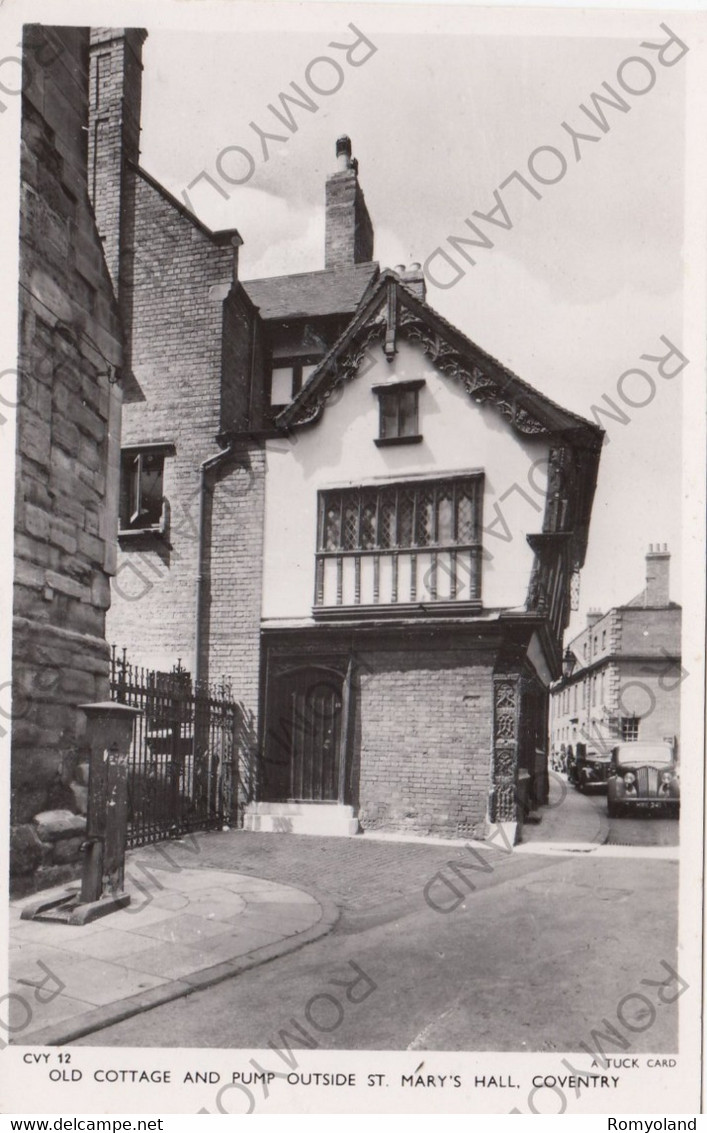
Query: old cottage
[{"x": 340, "y": 502}]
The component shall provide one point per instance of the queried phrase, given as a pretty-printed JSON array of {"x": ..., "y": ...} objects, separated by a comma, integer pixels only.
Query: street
[
  {"x": 648, "y": 828},
  {"x": 541, "y": 950}
]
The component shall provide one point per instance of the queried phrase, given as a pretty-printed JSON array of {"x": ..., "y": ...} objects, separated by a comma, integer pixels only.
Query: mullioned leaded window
[{"x": 400, "y": 543}]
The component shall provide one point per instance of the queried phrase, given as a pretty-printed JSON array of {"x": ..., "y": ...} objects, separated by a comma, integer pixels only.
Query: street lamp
[{"x": 568, "y": 663}]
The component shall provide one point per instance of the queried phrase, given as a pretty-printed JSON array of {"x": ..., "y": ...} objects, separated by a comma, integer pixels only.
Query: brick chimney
[
  {"x": 413, "y": 278},
  {"x": 115, "y": 97},
  {"x": 349, "y": 232},
  {"x": 657, "y": 592},
  {"x": 593, "y": 616}
]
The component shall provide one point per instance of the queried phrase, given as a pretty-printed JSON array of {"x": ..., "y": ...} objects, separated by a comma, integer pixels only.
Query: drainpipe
[{"x": 205, "y": 467}]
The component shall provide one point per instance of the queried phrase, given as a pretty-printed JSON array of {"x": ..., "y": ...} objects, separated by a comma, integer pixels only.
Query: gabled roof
[
  {"x": 389, "y": 309},
  {"x": 333, "y": 292},
  {"x": 220, "y": 236}
]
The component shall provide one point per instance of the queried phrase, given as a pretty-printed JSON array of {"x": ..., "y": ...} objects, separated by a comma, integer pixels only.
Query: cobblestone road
[{"x": 355, "y": 873}]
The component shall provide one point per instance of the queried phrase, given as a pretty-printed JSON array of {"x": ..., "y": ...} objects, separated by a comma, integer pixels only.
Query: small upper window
[
  {"x": 629, "y": 729},
  {"x": 142, "y": 503},
  {"x": 287, "y": 376},
  {"x": 399, "y": 413}
]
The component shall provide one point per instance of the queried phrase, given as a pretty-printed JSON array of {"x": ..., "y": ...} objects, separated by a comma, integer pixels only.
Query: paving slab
[
  {"x": 23, "y": 1013},
  {"x": 194, "y": 920},
  {"x": 185, "y": 928}
]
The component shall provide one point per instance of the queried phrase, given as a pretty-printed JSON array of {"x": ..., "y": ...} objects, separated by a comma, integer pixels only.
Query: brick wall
[
  {"x": 115, "y": 89},
  {"x": 233, "y": 586},
  {"x": 69, "y": 344},
  {"x": 423, "y": 742},
  {"x": 349, "y": 232},
  {"x": 181, "y": 276}
]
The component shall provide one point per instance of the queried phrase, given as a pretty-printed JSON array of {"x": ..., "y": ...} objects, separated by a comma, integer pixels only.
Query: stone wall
[
  {"x": 649, "y": 632},
  {"x": 651, "y": 691},
  {"x": 66, "y": 489}
]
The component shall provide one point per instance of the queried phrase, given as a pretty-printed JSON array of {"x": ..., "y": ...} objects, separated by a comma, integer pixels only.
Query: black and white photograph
[{"x": 352, "y": 395}]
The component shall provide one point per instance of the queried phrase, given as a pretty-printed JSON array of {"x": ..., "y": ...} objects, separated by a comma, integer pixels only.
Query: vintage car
[
  {"x": 571, "y": 766},
  {"x": 591, "y": 768},
  {"x": 642, "y": 775}
]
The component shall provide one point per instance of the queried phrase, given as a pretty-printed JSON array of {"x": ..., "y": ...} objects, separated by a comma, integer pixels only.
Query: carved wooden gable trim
[
  {"x": 392, "y": 318},
  {"x": 479, "y": 383}
]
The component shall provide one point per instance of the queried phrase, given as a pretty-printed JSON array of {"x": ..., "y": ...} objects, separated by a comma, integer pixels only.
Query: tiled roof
[{"x": 311, "y": 293}]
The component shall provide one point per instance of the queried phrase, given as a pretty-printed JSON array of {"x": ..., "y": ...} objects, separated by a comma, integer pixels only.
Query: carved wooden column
[{"x": 506, "y": 719}]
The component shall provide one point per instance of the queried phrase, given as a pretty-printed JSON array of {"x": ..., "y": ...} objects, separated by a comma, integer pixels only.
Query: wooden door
[
  {"x": 306, "y": 729},
  {"x": 315, "y": 714}
]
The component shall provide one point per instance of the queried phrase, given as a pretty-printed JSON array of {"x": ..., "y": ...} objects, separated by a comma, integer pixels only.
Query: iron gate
[{"x": 182, "y": 769}]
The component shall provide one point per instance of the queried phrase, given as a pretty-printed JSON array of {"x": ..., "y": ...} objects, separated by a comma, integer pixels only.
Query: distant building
[
  {"x": 67, "y": 462},
  {"x": 626, "y": 674}
]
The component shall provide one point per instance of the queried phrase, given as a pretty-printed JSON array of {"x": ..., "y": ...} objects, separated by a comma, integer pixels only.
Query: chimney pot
[
  {"x": 343, "y": 145},
  {"x": 343, "y": 154}
]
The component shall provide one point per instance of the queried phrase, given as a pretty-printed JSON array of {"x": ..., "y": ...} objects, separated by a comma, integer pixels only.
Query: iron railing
[{"x": 184, "y": 755}]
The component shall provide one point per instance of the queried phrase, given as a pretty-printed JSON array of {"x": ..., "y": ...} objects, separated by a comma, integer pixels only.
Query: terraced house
[
  {"x": 623, "y": 672},
  {"x": 334, "y": 499}
]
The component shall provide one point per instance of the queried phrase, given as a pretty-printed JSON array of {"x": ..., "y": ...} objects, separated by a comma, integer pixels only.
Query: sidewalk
[
  {"x": 571, "y": 822},
  {"x": 184, "y": 929},
  {"x": 187, "y": 928}
]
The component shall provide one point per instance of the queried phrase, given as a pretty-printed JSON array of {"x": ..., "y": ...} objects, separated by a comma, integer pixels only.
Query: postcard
[{"x": 353, "y": 397}]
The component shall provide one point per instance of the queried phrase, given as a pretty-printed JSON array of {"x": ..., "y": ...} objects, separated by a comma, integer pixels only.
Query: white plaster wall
[{"x": 458, "y": 436}]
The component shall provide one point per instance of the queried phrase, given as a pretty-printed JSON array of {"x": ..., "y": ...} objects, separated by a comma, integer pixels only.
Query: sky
[{"x": 585, "y": 281}]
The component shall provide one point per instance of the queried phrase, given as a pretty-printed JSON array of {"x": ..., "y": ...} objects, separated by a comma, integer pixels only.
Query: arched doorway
[{"x": 303, "y": 740}]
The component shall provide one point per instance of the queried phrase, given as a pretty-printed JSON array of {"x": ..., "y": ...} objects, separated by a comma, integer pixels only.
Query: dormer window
[
  {"x": 287, "y": 376},
  {"x": 399, "y": 413}
]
